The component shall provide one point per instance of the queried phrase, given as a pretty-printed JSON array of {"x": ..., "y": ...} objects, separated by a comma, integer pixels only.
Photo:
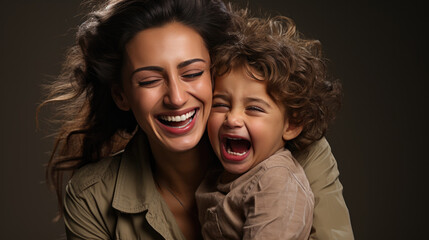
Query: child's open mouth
[{"x": 235, "y": 148}]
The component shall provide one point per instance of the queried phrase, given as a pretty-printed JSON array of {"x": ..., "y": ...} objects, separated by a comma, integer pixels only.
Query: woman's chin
[{"x": 181, "y": 143}]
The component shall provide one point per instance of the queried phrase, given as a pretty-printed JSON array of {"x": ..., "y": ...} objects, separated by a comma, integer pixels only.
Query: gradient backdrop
[{"x": 378, "y": 50}]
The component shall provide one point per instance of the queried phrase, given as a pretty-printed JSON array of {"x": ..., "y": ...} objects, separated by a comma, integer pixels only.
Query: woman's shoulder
[
  {"x": 89, "y": 195},
  {"x": 319, "y": 151},
  {"x": 96, "y": 175}
]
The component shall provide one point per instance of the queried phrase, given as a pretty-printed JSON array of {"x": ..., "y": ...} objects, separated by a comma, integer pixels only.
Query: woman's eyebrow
[
  {"x": 160, "y": 69},
  {"x": 147, "y": 68},
  {"x": 188, "y": 62}
]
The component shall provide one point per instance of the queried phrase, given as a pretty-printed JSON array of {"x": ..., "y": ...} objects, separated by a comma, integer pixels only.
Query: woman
[{"x": 141, "y": 70}]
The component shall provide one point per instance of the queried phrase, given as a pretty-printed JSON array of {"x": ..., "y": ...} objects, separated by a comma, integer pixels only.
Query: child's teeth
[{"x": 235, "y": 153}]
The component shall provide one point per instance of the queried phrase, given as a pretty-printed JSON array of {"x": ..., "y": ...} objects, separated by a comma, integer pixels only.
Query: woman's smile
[
  {"x": 179, "y": 122},
  {"x": 167, "y": 85}
]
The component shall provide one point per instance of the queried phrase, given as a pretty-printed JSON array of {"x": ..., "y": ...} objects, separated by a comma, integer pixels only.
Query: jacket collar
[{"x": 135, "y": 189}]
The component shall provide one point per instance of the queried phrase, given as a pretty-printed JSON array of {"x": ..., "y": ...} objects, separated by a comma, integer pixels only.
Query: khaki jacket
[{"x": 116, "y": 198}]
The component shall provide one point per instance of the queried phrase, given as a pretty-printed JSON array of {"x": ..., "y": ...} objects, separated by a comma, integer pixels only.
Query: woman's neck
[
  {"x": 182, "y": 171},
  {"x": 178, "y": 175}
]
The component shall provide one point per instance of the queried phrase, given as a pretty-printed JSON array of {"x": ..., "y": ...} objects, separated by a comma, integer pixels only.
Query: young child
[{"x": 271, "y": 96}]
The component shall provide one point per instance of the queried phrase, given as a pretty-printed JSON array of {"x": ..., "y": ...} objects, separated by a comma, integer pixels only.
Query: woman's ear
[
  {"x": 120, "y": 98},
  {"x": 291, "y": 131}
]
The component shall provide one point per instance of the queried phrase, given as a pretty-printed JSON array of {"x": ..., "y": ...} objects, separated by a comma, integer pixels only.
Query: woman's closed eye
[
  {"x": 151, "y": 82},
  {"x": 192, "y": 75}
]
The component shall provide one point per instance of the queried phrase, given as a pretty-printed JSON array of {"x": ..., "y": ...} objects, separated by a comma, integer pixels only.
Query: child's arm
[
  {"x": 331, "y": 216},
  {"x": 281, "y": 207}
]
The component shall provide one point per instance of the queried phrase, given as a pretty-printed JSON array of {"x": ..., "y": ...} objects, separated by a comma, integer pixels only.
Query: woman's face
[{"x": 167, "y": 85}]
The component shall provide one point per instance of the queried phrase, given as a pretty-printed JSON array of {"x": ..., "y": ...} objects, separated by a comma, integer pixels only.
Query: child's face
[{"x": 245, "y": 125}]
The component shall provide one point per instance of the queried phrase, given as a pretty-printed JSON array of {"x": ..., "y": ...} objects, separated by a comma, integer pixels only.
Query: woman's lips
[
  {"x": 179, "y": 122},
  {"x": 235, "y": 148}
]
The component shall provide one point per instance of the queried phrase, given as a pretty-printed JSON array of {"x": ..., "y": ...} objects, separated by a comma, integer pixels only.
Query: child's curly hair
[{"x": 293, "y": 67}]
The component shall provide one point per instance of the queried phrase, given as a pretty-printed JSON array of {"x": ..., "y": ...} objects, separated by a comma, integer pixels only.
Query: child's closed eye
[
  {"x": 255, "y": 108},
  {"x": 220, "y": 105}
]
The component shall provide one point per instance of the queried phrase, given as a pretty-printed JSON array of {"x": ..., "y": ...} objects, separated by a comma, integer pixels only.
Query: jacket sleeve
[
  {"x": 281, "y": 208},
  {"x": 331, "y": 218},
  {"x": 81, "y": 218}
]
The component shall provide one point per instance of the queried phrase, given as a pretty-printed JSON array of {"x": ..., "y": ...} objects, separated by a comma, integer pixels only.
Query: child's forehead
[
  {"x": 242, "y": 69},
  {"x": 240, "y": 78},
  {"x": 246, "y": 72}
]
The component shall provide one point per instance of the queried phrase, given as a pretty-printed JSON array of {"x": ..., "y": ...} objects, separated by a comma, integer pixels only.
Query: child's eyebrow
[
  {"x": 221, "y": 96},
  {"x": 258, "y": 100}
]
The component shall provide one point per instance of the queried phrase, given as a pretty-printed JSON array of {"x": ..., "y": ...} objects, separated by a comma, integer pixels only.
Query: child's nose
[{"x": 233, "y": 119}]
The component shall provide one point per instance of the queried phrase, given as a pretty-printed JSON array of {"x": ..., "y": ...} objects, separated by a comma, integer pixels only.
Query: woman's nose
[
  {"x": 176, "y": 95},
  {"x": 233, "y": 119}
]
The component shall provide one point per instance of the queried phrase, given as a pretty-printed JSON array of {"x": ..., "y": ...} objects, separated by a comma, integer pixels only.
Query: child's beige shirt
[{"x": 273, "y": 200}]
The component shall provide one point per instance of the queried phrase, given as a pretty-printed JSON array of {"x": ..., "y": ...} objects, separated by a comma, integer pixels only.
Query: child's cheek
[{"x": 213, "y": 126}]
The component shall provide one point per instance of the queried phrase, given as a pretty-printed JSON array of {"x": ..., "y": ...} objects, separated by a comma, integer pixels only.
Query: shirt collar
[{"x": 135, "y": 189}]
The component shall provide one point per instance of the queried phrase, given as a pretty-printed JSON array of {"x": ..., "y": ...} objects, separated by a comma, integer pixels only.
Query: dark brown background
[{"x": 378, "y": 50}]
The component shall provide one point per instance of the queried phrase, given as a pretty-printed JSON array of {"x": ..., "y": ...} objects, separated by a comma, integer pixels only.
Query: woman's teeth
[{"x": 180, "y": 118}]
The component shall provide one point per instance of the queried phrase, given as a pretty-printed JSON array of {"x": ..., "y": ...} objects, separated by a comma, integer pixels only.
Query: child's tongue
[{"x": 239, "y": 146}]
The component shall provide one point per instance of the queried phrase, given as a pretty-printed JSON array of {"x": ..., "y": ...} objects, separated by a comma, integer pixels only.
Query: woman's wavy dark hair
[
  {"x": 293, "y": 67},
  {"x": 92, "y": 126}
]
